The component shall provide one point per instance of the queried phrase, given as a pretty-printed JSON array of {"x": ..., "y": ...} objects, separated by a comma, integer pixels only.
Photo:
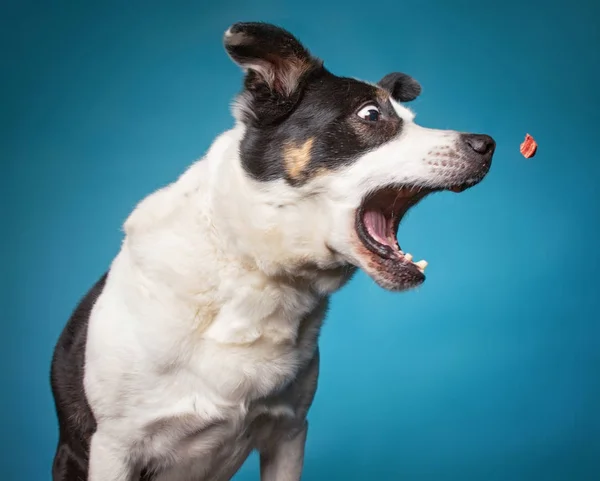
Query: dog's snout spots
[
  {"x": 444, "y": 157},
  {"x": 297, "y": 157}
]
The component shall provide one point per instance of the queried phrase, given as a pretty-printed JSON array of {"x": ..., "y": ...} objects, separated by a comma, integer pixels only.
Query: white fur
[{"x": 214, "y": 304}]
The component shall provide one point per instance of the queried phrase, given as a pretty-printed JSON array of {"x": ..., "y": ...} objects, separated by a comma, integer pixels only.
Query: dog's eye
[{"x": 370, "y": 113}]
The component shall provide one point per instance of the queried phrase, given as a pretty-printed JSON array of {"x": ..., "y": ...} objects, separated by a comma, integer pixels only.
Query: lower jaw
[
  {"x": 391, "y": 274},
  {"x": 389, "y": 262}
]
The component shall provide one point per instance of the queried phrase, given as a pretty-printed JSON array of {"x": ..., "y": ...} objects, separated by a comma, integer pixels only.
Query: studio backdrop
[{"x": 489, "y": 371}]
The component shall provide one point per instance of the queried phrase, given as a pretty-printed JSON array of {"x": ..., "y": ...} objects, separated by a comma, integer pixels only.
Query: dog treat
[{"x": 528, "y": 147}]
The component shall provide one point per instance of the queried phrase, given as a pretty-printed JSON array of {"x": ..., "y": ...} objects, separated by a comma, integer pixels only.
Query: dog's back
[{"x": 75, "y": 418}]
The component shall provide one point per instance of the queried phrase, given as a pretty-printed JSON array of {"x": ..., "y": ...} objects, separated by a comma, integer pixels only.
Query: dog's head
[{"x": 343, "y": 152}]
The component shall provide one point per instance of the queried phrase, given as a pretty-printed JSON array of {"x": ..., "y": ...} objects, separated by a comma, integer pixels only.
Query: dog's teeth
[
  {"x": 408, "y": 256},
  {"x": 421, "y": 265}
]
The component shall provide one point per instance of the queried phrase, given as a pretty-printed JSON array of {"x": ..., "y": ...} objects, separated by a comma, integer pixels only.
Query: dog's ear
[
  {"x": 270, "y": 55},
  {"x": 275, "y": 63},
  {"x": 402, "y": 87}
]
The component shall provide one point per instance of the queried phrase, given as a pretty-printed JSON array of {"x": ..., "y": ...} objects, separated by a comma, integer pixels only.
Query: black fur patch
[
  {"x": 299, "y": 133},
  {"x": 75, "y": 418},
  {"x": 326, "y": 117}
]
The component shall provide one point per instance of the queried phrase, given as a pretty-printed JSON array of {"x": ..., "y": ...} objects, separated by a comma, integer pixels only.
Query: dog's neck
[{"x": 264, "y": 226}]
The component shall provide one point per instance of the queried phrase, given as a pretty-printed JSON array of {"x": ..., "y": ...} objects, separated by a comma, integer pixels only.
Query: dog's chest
[
  {"x": 229, "y": 394},
  {"x": 258, "y": 341}
]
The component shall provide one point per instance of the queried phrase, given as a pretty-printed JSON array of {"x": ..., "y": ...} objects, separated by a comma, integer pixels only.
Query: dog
[{"x": 199, "y": 345}]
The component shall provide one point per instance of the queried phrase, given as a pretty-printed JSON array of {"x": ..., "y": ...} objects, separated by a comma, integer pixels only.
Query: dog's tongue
[{"x": 376, "y": 225}]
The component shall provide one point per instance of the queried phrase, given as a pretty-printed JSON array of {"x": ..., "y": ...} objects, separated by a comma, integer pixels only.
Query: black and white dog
[{"x": 200, "y": 344}]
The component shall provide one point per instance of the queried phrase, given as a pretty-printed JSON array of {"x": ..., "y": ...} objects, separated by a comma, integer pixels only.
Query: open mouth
[{"x": 377, "y": 222}]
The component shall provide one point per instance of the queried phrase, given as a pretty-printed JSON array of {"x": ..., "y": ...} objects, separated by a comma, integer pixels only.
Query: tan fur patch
[
  {"x": 297, "y": 158},
  {"x": 383, "y": 96}
]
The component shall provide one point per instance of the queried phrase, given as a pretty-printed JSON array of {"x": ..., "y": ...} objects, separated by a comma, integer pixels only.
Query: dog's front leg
[
  {"x": 283, "y": 459},
  {"x": 109, "y": 460}
]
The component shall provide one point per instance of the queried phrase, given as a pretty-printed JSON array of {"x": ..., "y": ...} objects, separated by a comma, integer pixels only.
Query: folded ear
[
  {"x": 402, "y": 87},
  {"x": 272, "y": 56}
]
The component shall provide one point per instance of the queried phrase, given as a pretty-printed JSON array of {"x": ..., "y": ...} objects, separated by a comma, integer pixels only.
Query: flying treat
[{"x": 528, "y": 147}]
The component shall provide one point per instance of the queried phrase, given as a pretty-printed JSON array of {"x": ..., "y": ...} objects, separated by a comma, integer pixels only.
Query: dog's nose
[{"x": 482, "y": 144}]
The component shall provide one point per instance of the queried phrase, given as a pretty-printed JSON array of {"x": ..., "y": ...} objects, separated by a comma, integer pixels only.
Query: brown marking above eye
[
  {"x": 382, "y": 96},
  {"x": 297, "y": 157}
]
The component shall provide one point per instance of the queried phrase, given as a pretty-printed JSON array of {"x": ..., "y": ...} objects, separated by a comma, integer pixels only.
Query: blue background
[{"x": 490, "y": 371}]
